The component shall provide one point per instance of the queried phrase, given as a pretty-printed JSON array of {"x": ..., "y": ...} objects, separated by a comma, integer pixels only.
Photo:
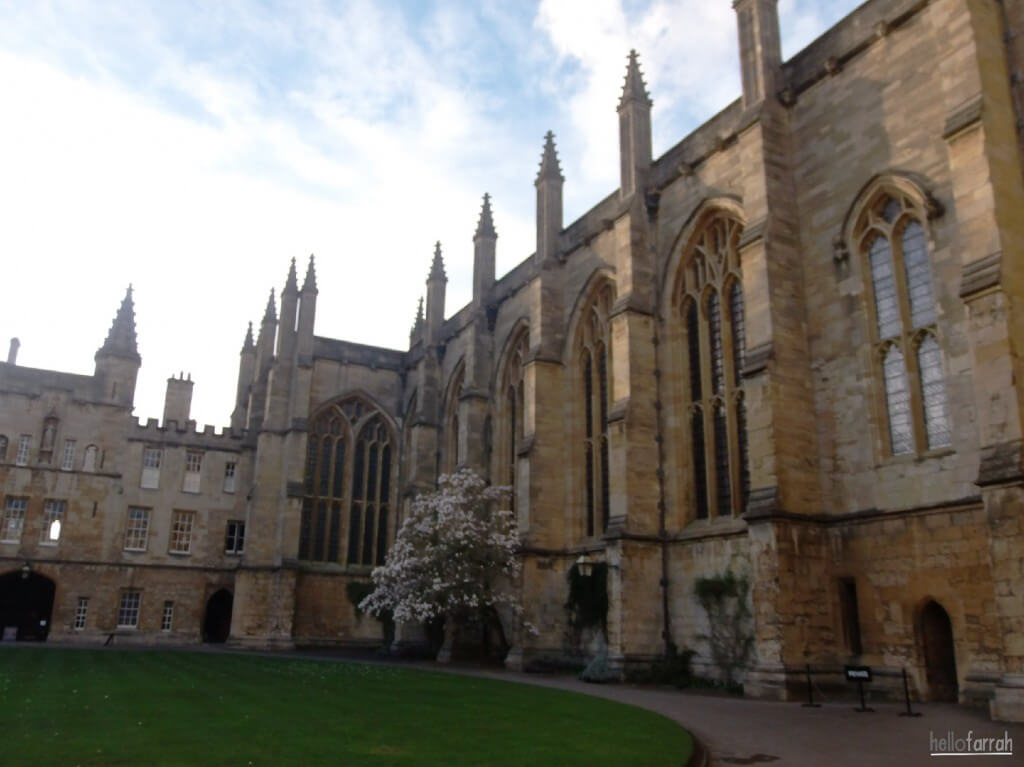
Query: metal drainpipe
[{"x": 651, "y": 203}]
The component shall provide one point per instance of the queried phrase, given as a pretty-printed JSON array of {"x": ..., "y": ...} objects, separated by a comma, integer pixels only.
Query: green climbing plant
[{"x": 731, "y": 638}]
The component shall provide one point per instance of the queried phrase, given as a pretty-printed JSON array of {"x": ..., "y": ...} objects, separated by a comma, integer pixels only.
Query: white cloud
[{"x": 194, "y": 153}]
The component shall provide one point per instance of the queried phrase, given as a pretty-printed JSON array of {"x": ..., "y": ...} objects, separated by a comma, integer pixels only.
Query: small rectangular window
[
  {"x": 13, "y": 520},
  {"x": 81, "y": 611},
  {"x": 850, "y": 615},
  {"x": 181, "y": 531},
  {"x": 128, "y": 610},
  {"x": 67, "y": 462},
  {"x": 24, "y": 445},
  {"x": 229, "y": 476},
  {"x": 137, "y": 530},
  {"x": 53, "y": 520},
  {"x": 193, "y": 468},
  {"x": 167, "y": 621},
  {"x": 234, "y": 542},
  {"x": 151, "y": 467}
]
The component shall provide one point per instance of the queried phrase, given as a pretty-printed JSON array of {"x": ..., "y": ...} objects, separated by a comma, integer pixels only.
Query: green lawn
[{"x": 89, "y": 707}]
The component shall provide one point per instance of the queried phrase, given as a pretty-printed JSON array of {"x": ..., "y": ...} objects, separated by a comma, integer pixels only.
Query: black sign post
[{"x": 860, "y": 675}]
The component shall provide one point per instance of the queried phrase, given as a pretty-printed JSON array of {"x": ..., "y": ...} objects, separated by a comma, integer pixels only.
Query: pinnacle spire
[
  {"x": 309, "y": 284},
  {"x": 270, "y": 315},
  {"x": 121, "y": 339},
  {"x": 485, "y": 226},
  {"x": 437, "y": 266},
  {"x": 418, "y": 322},
  {"x": 248, "y": 343},
  {"x": 549, "y": 168},
  {"x": 291, "y": 284},
  {"x": 633, "y": 89}
]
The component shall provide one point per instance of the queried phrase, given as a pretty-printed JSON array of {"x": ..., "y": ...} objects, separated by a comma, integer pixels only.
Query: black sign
[{"x": 858, "y": 673}]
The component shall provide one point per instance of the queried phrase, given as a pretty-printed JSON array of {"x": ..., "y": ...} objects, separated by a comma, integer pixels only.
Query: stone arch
[
  {"x": 450, "y": 418},
  {"x": 217, "y": 616},
  {"x": 709, "y": 207},
  {"x": 26, "y": 604},
  {"x": 891, "y": 182},
  {"x": 598, "y": 279},
  {"x": 938, "y": 651}
]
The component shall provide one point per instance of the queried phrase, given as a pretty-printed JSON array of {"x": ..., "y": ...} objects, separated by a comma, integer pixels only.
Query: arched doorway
[
  {"x": 217, "y": 621},
  {"x": 26, "y": 605},
  {"x": 939, "y": 654}
]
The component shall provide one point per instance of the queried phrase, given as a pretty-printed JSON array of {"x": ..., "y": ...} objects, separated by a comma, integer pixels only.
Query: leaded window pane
[
  {"x": 919, "y": 276},
  {"x": 589, "y": 456},
  {"x": 741, "y": 433},
  {"x": 368, "y": 530},
  {"x": 333, "y": 539},
  {"x": 897, "y": 398},
  {"x": 325, "y": 466},
  {"x": 693, "y": 345},
  {"x": 933, "y": 394},
  {"x": 353, "y": 535},
  {"x": 891, "y": 210},
  {"x": 722, "y": 484},
  {"x": 338, "y": 491},
  {"x": 602, "y": 368},
  {"x": 382, "y": 534},
  {"x": 887, "y": 309},
  {"x": 700, "y": 485},
  {"x": 305, "y": 527},
  {"x": 738, "y": 331},
  {"x": 715, "y": 326}
]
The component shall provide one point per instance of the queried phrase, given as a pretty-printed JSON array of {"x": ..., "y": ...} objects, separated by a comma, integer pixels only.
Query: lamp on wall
[
  {"x": 26, "y": 570},
  {"x": 584, "y": 566}
]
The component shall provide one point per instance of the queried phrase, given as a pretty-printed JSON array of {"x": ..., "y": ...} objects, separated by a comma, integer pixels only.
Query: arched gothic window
[
  {"x": 511, "y": 404},
  {"x": 710, "y": 297},
  {"x": 347, "y": 489},
  {"x": 451, "y": 422},
  {"x": 594, "y": 365},
  {"x": 891, "y": 236}
]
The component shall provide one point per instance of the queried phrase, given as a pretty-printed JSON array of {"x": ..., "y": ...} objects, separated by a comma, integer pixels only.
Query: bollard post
[
  {"x": 906, "y": 695},
  {"x": 863, "y": 708},
  {"x": 810, "y": 692}
]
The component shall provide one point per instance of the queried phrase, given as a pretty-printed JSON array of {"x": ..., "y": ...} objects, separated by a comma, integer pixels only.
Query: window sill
[
  {"x": 134, "y": 551},
  {"x": 234, "y": 553},
  {"x": 179, "y": 553},
  {"x": 927, "y": 455},
  {"x": 49, "y": 544},
  {"x": 15, "y": 543}
]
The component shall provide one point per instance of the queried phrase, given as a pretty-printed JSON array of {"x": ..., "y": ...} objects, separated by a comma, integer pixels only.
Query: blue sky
[{"x": 194, "y": 148}]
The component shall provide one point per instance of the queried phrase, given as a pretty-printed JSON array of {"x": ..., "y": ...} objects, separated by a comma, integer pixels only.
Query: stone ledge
[
  {"x": 980, "y": 274},
  {"x": 1000, "y": 464},
  {"x": 962, "y": 118}
]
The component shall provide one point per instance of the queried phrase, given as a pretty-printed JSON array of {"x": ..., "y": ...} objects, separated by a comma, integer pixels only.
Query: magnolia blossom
[{"x": 455, "y": 553}]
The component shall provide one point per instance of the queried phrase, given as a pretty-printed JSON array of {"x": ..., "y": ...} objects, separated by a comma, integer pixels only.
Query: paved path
[{"x": 737, "y": 731}]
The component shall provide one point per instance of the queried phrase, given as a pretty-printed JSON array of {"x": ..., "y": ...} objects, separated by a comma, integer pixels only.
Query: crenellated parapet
[{"x": 188, "y": 434}]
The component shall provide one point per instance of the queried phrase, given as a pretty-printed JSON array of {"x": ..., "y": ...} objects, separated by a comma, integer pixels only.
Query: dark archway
[
  {"x": 217, "y": 621},
  {"x": 939, "y": 653},
  {"x": 26, "y": 605}
]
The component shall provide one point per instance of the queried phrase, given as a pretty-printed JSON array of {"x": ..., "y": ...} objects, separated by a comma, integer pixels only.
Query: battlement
[{"x": 188, "y": 434}]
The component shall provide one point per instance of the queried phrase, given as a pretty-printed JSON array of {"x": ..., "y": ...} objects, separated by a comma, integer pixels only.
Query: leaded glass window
[
  {"x": 512, "y": 420},
  {"x": 904, "y": 315},
  {"x": 714, "y": 330},
  {"x": 594, "y": 364},
  {"x": 347, "y": 487}
]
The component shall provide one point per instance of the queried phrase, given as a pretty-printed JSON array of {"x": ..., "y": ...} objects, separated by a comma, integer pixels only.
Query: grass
[{"x": 96, "y": 707}]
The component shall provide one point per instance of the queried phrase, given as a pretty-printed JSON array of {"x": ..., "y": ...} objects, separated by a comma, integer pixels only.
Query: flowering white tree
[{"x": 455, "y": 555}]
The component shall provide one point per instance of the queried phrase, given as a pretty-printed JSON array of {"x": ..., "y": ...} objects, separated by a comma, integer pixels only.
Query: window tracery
[
  {"x": 710, "y": 297},
  {"x": 593, "y": 349},
  {"x": 512, "y": 415},
  {"x": 903, "y": 311},
  {"x": 347, "y": 487}
]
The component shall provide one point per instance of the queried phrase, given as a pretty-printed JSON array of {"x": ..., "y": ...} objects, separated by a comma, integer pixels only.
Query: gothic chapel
[{"x": 787, "y": 349}]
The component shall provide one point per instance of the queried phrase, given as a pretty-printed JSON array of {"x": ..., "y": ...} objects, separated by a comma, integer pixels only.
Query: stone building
[{"x": 787, "y": 348}]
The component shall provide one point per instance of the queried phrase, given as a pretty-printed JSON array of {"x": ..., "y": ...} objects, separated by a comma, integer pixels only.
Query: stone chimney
[
  {"x": 178, "y": 401},
  {"x": 12, "y": 355}
]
